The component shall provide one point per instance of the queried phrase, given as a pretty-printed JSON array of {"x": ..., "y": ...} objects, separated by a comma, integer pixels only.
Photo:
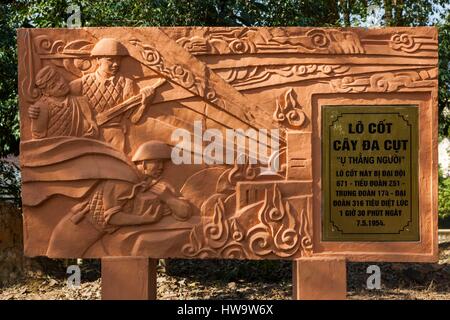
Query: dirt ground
[{"x": 184, "y": 279}]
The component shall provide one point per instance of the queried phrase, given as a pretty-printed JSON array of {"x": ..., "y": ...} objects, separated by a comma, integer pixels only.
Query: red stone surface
[
  {"x": 96, "y": 102},
  {"x": 319, "y": 279},
  {"x": 128, "y": 278}
]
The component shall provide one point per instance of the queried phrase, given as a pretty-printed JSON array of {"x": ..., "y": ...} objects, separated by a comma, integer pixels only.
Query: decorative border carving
[
  {"x": 410, "y": 44},
  {"x": 385, "y": 82},
  {"x": 272, "y": 40}
]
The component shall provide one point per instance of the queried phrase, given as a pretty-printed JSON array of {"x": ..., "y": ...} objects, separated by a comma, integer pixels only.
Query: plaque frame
[
  {"x": 408, "y": 232},
  {"x": 424, "y": 250}
]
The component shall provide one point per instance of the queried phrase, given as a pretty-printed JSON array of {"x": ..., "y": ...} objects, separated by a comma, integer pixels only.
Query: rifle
[{"x": 126, "y": 105}]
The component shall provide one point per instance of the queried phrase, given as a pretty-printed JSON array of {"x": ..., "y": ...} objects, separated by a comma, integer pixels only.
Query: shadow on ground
[{"x": 235, "y": 279}]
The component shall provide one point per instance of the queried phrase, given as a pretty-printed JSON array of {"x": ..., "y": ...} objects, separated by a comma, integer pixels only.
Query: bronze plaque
[{"x": 370, "y": 173}]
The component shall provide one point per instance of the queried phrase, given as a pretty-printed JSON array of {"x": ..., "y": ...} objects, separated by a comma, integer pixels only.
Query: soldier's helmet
[
  {"x": 152, "y": 150},
  {"x": 108, "y": 47}
]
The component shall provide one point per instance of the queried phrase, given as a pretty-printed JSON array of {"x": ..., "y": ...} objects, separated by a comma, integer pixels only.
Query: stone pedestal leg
[
  {"x": 128, "y": 278},
  {"x": 319, "y": 279}
]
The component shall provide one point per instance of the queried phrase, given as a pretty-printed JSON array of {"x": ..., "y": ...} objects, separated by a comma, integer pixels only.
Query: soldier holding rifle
[{"x": 107, "y": 90}]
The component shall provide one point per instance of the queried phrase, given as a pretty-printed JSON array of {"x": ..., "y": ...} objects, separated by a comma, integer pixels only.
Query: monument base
[
  {"x": 319, "y": 279},
  {"x": 128, "y": 278}
]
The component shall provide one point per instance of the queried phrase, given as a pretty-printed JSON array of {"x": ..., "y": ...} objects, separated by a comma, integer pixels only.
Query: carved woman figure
[{"x": 56, "y": 113}]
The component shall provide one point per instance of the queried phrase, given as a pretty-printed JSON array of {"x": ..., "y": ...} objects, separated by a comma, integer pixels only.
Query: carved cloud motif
[
  {"x": 252, "y": 40},
  {"x": 410, "y": 44},
  {"x": 385, "y": 82}
]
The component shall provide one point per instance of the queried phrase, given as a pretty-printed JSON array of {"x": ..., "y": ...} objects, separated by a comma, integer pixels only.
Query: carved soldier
[
  {"x": 115, "y": 204},
  {"x": 56, "y": 113},
  {"x": 106, "y": 88}
]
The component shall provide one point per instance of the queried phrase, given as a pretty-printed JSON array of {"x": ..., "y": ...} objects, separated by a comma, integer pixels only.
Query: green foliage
[
  {"x": 444, "y": 196},
  {"x": 10, "y": 182},
  {"x": 444, "y": 78},
  {"x": 409, "y": 13},
  {"x": 297, "y": 13},
  {"x": 9, "y": 116},
  {"x": 52, "y": 13}
]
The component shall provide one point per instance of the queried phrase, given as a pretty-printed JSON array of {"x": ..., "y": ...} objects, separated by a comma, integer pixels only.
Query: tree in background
[
  {"x": 444, "y": 78},
  {"x": 9, "y": 116}
]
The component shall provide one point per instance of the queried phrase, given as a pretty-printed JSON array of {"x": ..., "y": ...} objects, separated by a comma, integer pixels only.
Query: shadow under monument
[
  {"x": 230, "y": 270},
  {"x": 426, "y": 277},
  {"x": 434, "y": 277}
]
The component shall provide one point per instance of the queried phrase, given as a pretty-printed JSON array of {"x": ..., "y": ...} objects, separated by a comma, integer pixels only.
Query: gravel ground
[{"x": 185, "y": 279}]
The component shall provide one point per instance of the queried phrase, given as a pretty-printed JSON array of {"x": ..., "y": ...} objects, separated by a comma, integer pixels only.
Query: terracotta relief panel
[{"x": 205, "y": 142}]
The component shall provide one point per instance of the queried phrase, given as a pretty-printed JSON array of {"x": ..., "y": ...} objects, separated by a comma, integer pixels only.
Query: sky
[{"x": 377, "y": 12}]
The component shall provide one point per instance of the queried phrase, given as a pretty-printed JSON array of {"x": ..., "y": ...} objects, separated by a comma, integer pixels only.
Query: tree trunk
[
  {"x": 388, "y": 12},
  {"x": 11, "y": 243},
  {"x": 346, "y": 8},
  {"x": 399, "y": 13},
  {"x": 333, "y": 15}
]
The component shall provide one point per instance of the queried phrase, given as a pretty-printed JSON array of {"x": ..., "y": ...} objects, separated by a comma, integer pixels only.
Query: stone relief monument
[{"x": 104, "y": 112}]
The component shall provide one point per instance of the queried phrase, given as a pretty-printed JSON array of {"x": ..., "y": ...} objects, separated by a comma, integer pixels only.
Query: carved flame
[
  {"x": 277, "y": 231},
  {"x": 287, "y": 109}
]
